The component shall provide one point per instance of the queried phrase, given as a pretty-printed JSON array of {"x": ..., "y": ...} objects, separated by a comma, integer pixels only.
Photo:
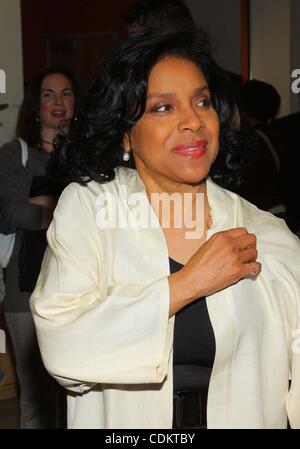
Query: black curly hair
[
  {"x": 260, "y": 101},
  {"x": 117, "y": 99},
  {"x": 158, "y": 14}
]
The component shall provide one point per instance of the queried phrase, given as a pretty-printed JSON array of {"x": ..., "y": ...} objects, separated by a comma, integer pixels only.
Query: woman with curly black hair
[{"x": 144, "y": 239}]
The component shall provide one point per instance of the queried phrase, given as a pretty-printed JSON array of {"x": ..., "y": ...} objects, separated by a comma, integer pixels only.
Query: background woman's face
[
  {"x": 57, "y": 101},
  {"x": 177, "y": 137}
]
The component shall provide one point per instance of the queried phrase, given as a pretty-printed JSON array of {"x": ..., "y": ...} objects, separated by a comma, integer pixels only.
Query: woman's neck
[
  {"x": 176, "y": 204},
  {"x": 161, "y": 184},
  {"x": 47, "y": 138}
]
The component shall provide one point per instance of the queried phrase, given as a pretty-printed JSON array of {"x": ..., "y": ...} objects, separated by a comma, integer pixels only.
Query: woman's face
[
  {"x": 177, "y": 137},
  {"x": 57, "y": 102}
]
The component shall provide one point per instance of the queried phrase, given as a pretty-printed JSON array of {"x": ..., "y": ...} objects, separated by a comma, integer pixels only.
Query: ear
[{"x": 126, "y": 142}]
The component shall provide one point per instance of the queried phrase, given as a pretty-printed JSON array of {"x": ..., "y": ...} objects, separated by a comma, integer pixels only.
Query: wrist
[{"x": 182, "y": 291}]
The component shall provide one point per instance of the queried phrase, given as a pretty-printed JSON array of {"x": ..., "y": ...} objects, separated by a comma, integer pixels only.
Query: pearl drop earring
[{"x": 126, "y": 156}]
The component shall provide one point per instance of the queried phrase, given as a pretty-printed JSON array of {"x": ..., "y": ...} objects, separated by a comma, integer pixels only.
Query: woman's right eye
[
  {"x": 47, "y": 95},
  {"x": 161, "y": 108}
]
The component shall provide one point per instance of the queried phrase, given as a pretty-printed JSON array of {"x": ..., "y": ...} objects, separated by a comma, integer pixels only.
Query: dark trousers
[{"x": 40, "y": 396}]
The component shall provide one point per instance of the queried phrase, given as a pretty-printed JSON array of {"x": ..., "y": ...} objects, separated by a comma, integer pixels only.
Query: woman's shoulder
[
  {"x": 274, "y": 238},
  {"x": 11, "y": 158},
  {"x": 246, "y": 213},
  {"x": 273, "y": 235},
  {"x": 92, "y": 189},
  {"x": 84, "y": 201},
  {"x": 259, "y": 220},
  {"x": 11, "y": 148},
  {"x": 77, "y": 196},
  {"x": 12, "y": 154},
  {"x": 76, "y": 193}
]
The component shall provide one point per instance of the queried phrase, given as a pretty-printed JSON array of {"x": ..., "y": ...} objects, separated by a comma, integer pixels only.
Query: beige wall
[
  {"x": 11, "y": 63},
  {"x": 222, "y": 20},
  {"x": 274, "y": 40},
  {"x": 271, "y": 46}
]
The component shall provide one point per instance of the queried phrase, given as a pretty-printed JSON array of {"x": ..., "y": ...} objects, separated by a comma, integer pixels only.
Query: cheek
[
  {"x": 44, "y": 109},
  {"x": 70, "y": 104},
  {"x": 217, "y": 131},
  {"x": 216, "y": 139},
  {"x": 215, "y": 127},
  {"x": 151, "y": 135},
  {"x": 139, "y": 136}
]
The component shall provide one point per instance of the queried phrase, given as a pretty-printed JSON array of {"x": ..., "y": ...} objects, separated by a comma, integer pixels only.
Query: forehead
[
  {"x": 175, "y": 72},
  {"x": 55, "y": 81}
]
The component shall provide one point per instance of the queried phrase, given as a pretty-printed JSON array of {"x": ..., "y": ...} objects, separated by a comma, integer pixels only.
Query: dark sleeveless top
[{"x": 194, "y": 343}]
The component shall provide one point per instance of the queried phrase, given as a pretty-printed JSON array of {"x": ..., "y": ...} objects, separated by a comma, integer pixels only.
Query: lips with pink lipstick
[{"x": 193, "y": 150}]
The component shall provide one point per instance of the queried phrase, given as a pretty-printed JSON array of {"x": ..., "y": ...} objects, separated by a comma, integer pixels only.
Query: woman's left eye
[
  {"x": 204, "y": 103},
  {"x": 68, "y": 93}
]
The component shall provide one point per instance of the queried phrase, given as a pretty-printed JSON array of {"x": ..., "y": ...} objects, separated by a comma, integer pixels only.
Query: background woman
[
  {"x": 27, "y": 201},
  {"x": 109, "y": 290}
]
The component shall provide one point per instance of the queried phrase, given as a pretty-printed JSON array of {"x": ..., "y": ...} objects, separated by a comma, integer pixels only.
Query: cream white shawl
[{"x": 101, "y": 311}]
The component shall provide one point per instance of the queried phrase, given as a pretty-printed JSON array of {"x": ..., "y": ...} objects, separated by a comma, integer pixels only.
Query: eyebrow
[
  {"x": 197, "y": 91},
  {"x": 52, "y": 90}
]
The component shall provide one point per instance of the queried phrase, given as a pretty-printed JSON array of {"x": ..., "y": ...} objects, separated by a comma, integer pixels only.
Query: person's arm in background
[
  {"x": 48, "y": 204},
  {"x": 17, "y": 210}
]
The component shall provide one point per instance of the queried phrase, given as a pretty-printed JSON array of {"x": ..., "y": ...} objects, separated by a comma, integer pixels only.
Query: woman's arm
[
  {"x": 16, "y": 211},
  {"x": 223, "y": 260},
  {"x": 48, "y": 203},
  {"x": 91, "y": 330}
]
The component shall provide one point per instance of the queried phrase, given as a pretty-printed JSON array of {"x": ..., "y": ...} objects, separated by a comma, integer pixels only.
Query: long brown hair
[{"x": 28, "y": 127}]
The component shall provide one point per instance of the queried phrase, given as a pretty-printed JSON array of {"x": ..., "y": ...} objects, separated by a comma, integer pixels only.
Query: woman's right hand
[
  {"x": 48, "y": 201},
  {"x": 224, "y": 259}
]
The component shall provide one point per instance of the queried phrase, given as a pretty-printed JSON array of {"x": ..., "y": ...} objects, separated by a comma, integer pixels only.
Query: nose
[
  {"x": 190, "y": 120},
  {"x": 58, "y": 99}
]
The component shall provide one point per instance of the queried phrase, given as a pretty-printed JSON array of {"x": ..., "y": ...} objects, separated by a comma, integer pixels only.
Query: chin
[{"x": 194, "y": 177}]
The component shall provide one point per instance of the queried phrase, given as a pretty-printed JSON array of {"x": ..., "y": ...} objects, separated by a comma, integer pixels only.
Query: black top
[{"x": 194, "y": 343}]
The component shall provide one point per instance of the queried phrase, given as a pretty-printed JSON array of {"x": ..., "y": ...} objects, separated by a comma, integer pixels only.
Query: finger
[
  {"x": 248, "y": 255},
  {"x": 236, "y": 232},
  {"x": 252, "y": 269},
  {"x": 246, "y": 241}
]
